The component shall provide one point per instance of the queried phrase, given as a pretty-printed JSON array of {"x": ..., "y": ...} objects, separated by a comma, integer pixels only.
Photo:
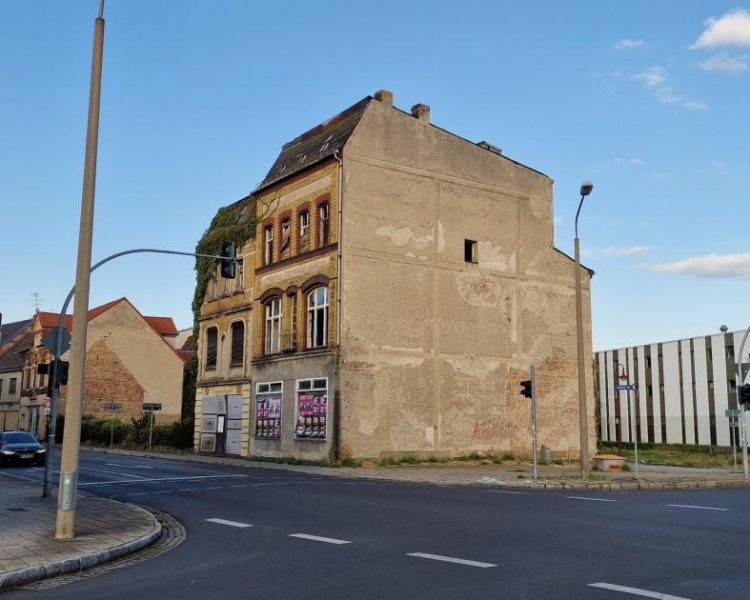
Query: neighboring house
[
  {"x": 15, "y": 339},
  {"x": 683, "y": 389},
  {"x": 130, "y": 359},
  {"x": 401, "y": 282}
]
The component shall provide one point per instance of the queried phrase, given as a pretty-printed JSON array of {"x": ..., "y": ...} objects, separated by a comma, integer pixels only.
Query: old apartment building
[{"x": 400, "y": 283}]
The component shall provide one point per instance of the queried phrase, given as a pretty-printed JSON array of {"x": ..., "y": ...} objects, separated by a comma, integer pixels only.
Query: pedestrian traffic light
[
  {"x": 744, "y": 396},
  {"x": 526, "y": 388},
  {"x": 228, "y": 258}
]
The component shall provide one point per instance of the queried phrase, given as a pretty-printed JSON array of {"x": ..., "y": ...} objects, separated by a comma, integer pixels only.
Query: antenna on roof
[{"x": 37, "y": 301}]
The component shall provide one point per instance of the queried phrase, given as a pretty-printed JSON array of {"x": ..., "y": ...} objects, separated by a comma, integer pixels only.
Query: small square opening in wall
[{"x": 470, "y": 251}]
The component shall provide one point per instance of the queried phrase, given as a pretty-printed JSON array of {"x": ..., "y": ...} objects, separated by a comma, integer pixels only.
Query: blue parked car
[{"x": 20, "y": 448}]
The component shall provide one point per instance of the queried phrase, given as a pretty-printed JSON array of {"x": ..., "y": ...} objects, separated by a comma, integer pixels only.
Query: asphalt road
[{"x": 262, "y": 533}]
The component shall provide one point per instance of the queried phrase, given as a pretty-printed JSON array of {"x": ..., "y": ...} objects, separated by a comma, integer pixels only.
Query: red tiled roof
[{"x": 162, "y": 325}]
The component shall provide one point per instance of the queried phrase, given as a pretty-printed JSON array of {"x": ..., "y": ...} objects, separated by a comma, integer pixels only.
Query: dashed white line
[
  {"x": 450, "y": 559},
  {"x": 508, "y": 492},
  {"x": 188, "y": 489},
  {"x": 157, "y": 479},
  {"x": 215, "y": 487},
  {"x": 164, "y": 492},
  {"x": 697, "y": 507},
  {"x": 229, "y": 523},
  {"x": 237, "y": 486},
  {"x": 317, "y": 538},
  {"x": 636, "y": 591},
  {"x": 587, "y": 498}
]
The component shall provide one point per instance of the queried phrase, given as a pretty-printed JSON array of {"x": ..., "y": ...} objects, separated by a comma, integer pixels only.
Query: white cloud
[
  {"x": 654, "y": 77},
  {"x": 724, "y": 62},
  {"x": 627, "y": 44},
  {"x": 731, "y": 29},
  {"x": 632, "y": 251},
  {"x": 713, "y": 266}
]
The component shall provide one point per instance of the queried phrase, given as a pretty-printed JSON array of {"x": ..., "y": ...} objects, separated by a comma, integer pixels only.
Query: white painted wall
[
  {"x": 701, "y": 391},
  {"x": 721, "y": 396},
  {"x": 687, "y": 391},
  {"x": 655, "y": 383},
  {"x": 642, "y": 391}
]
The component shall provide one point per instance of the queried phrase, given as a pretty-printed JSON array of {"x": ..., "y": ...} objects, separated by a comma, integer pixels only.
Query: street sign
[
  {"x": 49, "y": 341},
  {"x": 112, "y": 406},
  {"x": 621, "y": 387},
  {"x": 745, "y": 367},
  {"x": 151, "y": 406},
  {"x": 732, "y": 413}
]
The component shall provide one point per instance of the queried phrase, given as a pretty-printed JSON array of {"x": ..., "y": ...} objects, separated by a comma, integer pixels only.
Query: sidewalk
[{"x": 107, "y": 529}]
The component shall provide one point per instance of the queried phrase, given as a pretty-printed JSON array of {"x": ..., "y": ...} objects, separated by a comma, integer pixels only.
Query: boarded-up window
[
  {"x": 212, "y": 338},
  {"x": 238, "y": 343}
]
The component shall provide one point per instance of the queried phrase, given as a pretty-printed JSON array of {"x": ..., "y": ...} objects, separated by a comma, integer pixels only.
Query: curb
[{"x": 84, "y": 561}]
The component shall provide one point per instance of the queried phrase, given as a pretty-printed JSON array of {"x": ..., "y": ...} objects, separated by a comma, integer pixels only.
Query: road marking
[
  {"x": 450, "y": 559},
  {"x": 317, "y": 538},
  {"x": 136, "y": 494},
  {"x": 150, "y": 479},
  {"x": 586, "y": 498},
  {"x": 127, "y": 465},
  {"x": 230, "y": 523},
  {"x": 507, "y": 492},
  {"x": 164, "y": 492},
  {"x": 636, "y": 591},
  {"x": 237, "y": 486},
  {"x": 215, "y": 487},
  {"x": 188, "y": 490},
  {"x": 697, "y": 507},
  {"x": 139, "y": 477}
]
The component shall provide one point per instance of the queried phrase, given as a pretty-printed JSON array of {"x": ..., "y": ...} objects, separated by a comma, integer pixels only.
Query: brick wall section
[{"x": 108, "y": 381}]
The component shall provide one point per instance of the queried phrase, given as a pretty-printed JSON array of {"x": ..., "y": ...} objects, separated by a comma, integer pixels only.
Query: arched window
[
  {"x": 273, "y": 326},
  {"x": 238, "y": 344},
  {"x": 212, "y": 340},
  {"x": 317, "y": 318}
]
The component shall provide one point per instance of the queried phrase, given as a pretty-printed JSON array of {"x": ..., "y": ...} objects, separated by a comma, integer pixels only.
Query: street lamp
[{"x": 586, "y": 188}]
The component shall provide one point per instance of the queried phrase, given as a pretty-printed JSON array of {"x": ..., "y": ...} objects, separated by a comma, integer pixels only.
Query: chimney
[
  {"x": 385, "y": 97},
  {"x": 421, "y": 112}
]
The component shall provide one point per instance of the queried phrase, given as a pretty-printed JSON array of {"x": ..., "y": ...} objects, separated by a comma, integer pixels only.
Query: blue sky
[{"x": 648, "y": 100}]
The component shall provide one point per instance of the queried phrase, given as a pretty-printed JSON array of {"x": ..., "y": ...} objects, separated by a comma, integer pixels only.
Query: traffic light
[
  {"x": 744, "y": 395},
  {"x": 228, "y": 258},
  {"x": 526, "y": 388}
]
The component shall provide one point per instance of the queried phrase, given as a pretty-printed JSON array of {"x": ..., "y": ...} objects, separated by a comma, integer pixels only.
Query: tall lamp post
[{"x": 586, "y": 188}]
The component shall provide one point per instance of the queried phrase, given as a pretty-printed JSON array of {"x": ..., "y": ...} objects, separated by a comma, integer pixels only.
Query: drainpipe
[{"x": 339, "y": 292}]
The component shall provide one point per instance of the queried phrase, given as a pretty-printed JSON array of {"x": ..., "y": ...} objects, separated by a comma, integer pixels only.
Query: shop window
[
  {"x": 317, "y": 318},
  {"x": 268, "y": 411},
  {"x": 304, "y": 231},
  {"x": 238, "y": 343},
  {"x": 268, "y": 245},
  {"x": 470, "y": 251},
  {"x": 311, "y": 409},
  {"x": 212, "y": 344},
  {"x": 323, "y": 224},
  {"x": 273, "y": 326},
  {"x": 286, "y": 238}
]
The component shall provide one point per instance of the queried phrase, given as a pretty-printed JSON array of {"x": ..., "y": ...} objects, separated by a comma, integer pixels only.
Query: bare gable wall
[{"x": 433, "y": 348}]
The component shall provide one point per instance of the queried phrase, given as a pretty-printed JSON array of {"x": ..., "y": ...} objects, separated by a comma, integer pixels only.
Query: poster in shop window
[
  {"x": 312, "y": 414},
  {"x": 268, "y": 417}
]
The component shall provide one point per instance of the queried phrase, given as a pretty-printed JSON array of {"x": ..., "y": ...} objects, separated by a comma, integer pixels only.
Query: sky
[{"x": 647, "y": 100}]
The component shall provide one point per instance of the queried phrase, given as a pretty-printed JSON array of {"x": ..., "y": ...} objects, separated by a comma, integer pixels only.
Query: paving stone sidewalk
[{"x": 105, "y": 530}]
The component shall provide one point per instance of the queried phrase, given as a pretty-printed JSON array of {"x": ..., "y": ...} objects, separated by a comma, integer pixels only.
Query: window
[
  {"x": 238, "y": 343},
  {"x": 268, "y": 410},
  {"x": 1, "y": 388},
  {"x": 286, "y": 238},
  {"x": 323, "y": 226},
  {"x": 312, "y": 409},
  {"x": 12, "y": 386},
  {"x": 239, "y": 276},
  {"x": 470, "y": 251},
  {"x": 317, "y": 318},
  {"x": 273, "y": 326},
  {"x": 293, "y": 329},
  {"x": 304, "y": 231},
  {"x": 648, "y": 362},
  {"x": 730, "y": 352},
  {"x": 212, "y": 339},
  {"x": 268, "y": 245}
]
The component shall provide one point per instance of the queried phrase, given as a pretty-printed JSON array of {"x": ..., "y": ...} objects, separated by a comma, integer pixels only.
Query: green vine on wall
[{"x": 233, "y": 223}]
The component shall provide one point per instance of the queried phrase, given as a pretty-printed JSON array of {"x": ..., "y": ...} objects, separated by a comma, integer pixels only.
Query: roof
[
  {"x": 13, "y": 359},
  {"x": 11, "y": 330},
  {"x": 317, "y": 144},
  {"x": 161, "y": 325}
]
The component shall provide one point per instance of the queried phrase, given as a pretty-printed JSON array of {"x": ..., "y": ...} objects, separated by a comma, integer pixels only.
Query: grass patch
[{"x": 678, "y": 455}]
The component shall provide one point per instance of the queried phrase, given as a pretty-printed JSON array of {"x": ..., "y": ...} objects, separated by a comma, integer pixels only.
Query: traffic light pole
[
  {"x": 533, "y": 419},
  {"x": 741, "y": 407},
  {"x": 55, "y": 373}
]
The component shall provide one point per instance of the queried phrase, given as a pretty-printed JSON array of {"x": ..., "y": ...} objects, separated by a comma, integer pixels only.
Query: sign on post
[
  {"x": 621, "y": 387},
  {"x": 151, "y": 406},
  {"x": 49, "y": 341}
]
